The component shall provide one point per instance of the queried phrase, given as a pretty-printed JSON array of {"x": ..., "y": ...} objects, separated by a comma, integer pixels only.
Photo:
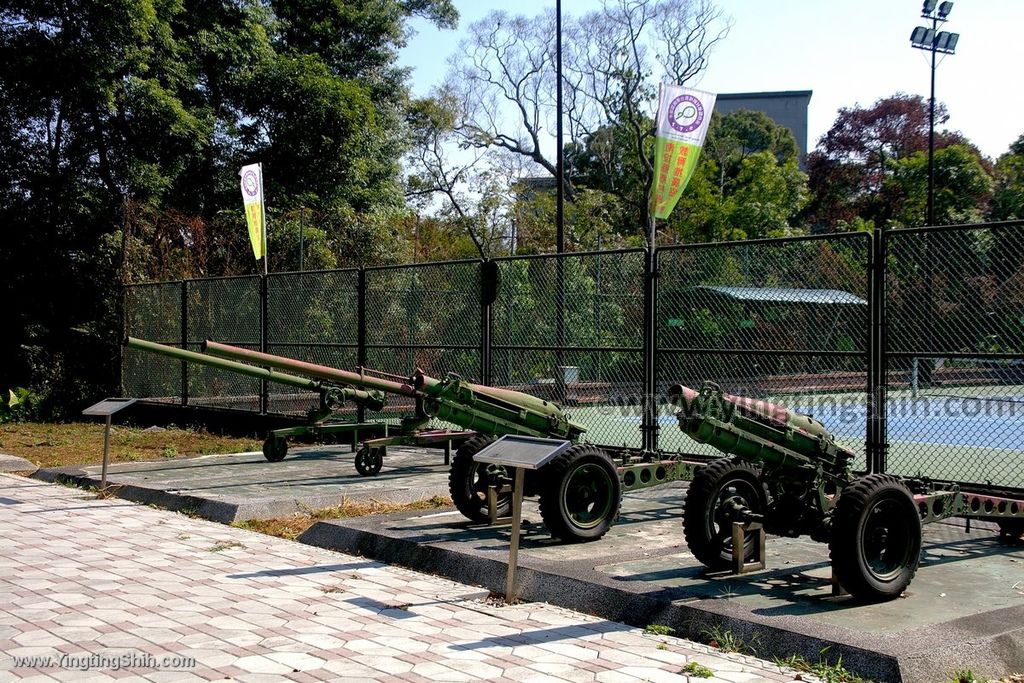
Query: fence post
[
  {"x": 361, "y": 330},
  {"x": 184, "y": 341},
  {"x": 489, "y": 283},
  {"x": 649, "y": 424},
  {"x": 264, "y": 307},
  {"x": 877, "y": 360}
]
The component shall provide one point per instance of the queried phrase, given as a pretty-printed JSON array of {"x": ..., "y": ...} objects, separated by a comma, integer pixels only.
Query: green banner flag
[{"x": 683, "y": 118}]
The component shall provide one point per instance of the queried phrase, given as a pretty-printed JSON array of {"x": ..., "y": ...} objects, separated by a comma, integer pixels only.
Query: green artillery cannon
[
  {"x": 580, "y": 492},
  {"x": 785, "y": 471},
  {"x": 333, "y": 397},
  {"x": 582, "y": 504}
]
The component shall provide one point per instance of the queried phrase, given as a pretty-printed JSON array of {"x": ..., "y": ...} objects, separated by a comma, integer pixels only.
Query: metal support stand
[
  {"x": 106, "y": 456},
  {"x": 518, "y": 453},
  {"x": 739, "y": 564},
  {"x": 837, "y": 588},
  {"x": 492, "y": 504},
  {"x": 513, "y": 548},
  {"x": 106, "y": 408}
]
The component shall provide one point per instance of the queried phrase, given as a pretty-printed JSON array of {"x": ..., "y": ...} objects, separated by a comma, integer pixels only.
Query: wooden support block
[{"x": 757, "y": 562}]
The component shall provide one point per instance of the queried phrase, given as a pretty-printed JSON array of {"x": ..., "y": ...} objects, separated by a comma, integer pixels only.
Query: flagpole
[{"x": 263, "y": 221}]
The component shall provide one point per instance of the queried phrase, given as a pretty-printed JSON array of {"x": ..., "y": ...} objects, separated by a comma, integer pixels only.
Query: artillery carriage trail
[{"x": 780, "y": 469}]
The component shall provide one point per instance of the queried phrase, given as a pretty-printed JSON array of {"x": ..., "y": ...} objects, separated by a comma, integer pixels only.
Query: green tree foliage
[
  {"x": 122, "y": 128},
  {"x": 747, "y": 183},
  {"x": 1008, "y": 196},
  {"x": 962, "y": 188},
  {"x": 851, "y": 169}
]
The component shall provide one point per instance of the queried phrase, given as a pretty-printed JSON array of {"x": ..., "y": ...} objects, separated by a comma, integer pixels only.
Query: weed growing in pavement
[
  {"x": 727, "y": 641},
  {"x": 695, "y": 670},
  {"x": 830, "y": 673},
  {"x": 221, "y": 546},
  {"x": 658, "y": 630}
]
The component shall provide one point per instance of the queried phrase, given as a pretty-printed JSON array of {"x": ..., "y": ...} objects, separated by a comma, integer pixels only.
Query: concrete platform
[
  {"x": 965, "y": 608},
  {"x": 229, "y": 488}
]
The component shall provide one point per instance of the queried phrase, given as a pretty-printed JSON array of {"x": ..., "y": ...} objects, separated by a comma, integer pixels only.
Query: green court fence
[{"x": 907, "y": 344}]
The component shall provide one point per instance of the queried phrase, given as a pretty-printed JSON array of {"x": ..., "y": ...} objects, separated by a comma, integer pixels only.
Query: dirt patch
[
  {"x": 293, "y": 526},
  {"x": 81, "y": 443}
]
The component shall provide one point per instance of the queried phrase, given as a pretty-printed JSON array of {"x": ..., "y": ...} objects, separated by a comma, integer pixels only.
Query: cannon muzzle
[
  {"x": 755, "y": 430},
  {"x": 503, "y": 411}
]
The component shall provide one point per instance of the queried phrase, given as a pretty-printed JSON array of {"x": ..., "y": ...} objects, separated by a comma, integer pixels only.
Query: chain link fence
[
  {"x": 784, "y": 321},
  {"x": 820, "y": 324},
  {"x": 312, "y": 317},
  {"x": 153, "y": 311},
  {"x": 583, "y": 348},
  {"x": 425, "y": 316},
  {"x": 955, "y": 354}
]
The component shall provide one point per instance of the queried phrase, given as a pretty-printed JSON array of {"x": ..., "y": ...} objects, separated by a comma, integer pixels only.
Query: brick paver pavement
[{"x": 97, "y": 590}]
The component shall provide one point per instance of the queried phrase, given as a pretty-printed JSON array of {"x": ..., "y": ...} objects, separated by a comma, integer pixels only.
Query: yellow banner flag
[{"x": 252, "y": 196}]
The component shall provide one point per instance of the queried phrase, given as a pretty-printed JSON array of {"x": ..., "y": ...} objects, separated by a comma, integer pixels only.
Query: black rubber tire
[
  {"x": 580, "y": 494},
  {"x": 368, "y": 461},
  {"x": 467, "y": 482},
  {"x": 706, "y": 527},
  {"x": 1012, "y": 528},
  {"x": 275, "y": 448},
  {"x": 876, "y": 538}
]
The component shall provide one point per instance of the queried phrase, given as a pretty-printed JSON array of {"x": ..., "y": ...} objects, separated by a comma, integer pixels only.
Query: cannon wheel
[
  {"x": 368, "y": 461},
  {"x": 707, "y": 522},
  {"x": 581, "y": 494},
  {"x": 1012, "y": 528},
  {"x": 468, "y": 480},
  {"x": 275, "y": 448},
  {"x": 876, "y": 538}
]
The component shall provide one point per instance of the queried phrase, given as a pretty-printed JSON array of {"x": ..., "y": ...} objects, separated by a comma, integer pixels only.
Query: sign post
[
  {"x": 519, "y": 453},
  {"x": 106, "y": 408}
]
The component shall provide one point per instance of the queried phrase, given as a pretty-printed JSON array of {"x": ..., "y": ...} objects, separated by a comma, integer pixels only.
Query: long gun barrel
[
  {"x": 370, "y": 399},
  {"x": 471, "y": 406},
  {"x": 755, "y": 430},
  {"x": 322, "y": 372}
]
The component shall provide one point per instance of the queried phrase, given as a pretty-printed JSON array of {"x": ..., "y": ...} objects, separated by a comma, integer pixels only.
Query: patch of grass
[
  {"x": 727, "y": 641},
  {"x": 293, "y": 526},
  {"x": 830, "y": 673},
  {"x": 695, "y": 670},
  {"x": 659, "y": 630},
  {"x": 221, "y": 546},
  {"x": 81, "y": 443}
]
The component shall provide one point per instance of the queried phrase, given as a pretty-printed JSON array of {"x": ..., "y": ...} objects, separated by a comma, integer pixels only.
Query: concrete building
[{"x": 787, "y": 108}]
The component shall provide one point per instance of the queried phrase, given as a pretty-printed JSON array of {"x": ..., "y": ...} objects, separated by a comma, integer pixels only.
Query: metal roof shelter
[{"x": 785, "y": 295}]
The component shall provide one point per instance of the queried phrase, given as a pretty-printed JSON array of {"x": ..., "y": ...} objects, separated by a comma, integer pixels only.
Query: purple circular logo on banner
[
  {"x": 251, "y": 183},
  {"x": 685, "y": 114}
]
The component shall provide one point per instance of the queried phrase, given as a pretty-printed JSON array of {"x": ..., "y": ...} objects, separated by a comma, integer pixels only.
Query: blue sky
[{"x": 845, "y": 52}]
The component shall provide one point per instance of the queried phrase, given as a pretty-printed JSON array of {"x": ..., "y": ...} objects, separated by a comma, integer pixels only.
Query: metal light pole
[
  {"x": 935, "y": 42},
  {"x": 559, "y": 137},
  {"x": 559, "y": 212}
]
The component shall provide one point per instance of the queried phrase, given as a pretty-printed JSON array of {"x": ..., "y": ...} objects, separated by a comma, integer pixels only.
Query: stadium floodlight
[
  {"x": 942, "y": 39},
  {"x": 934, "y": 41}
]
